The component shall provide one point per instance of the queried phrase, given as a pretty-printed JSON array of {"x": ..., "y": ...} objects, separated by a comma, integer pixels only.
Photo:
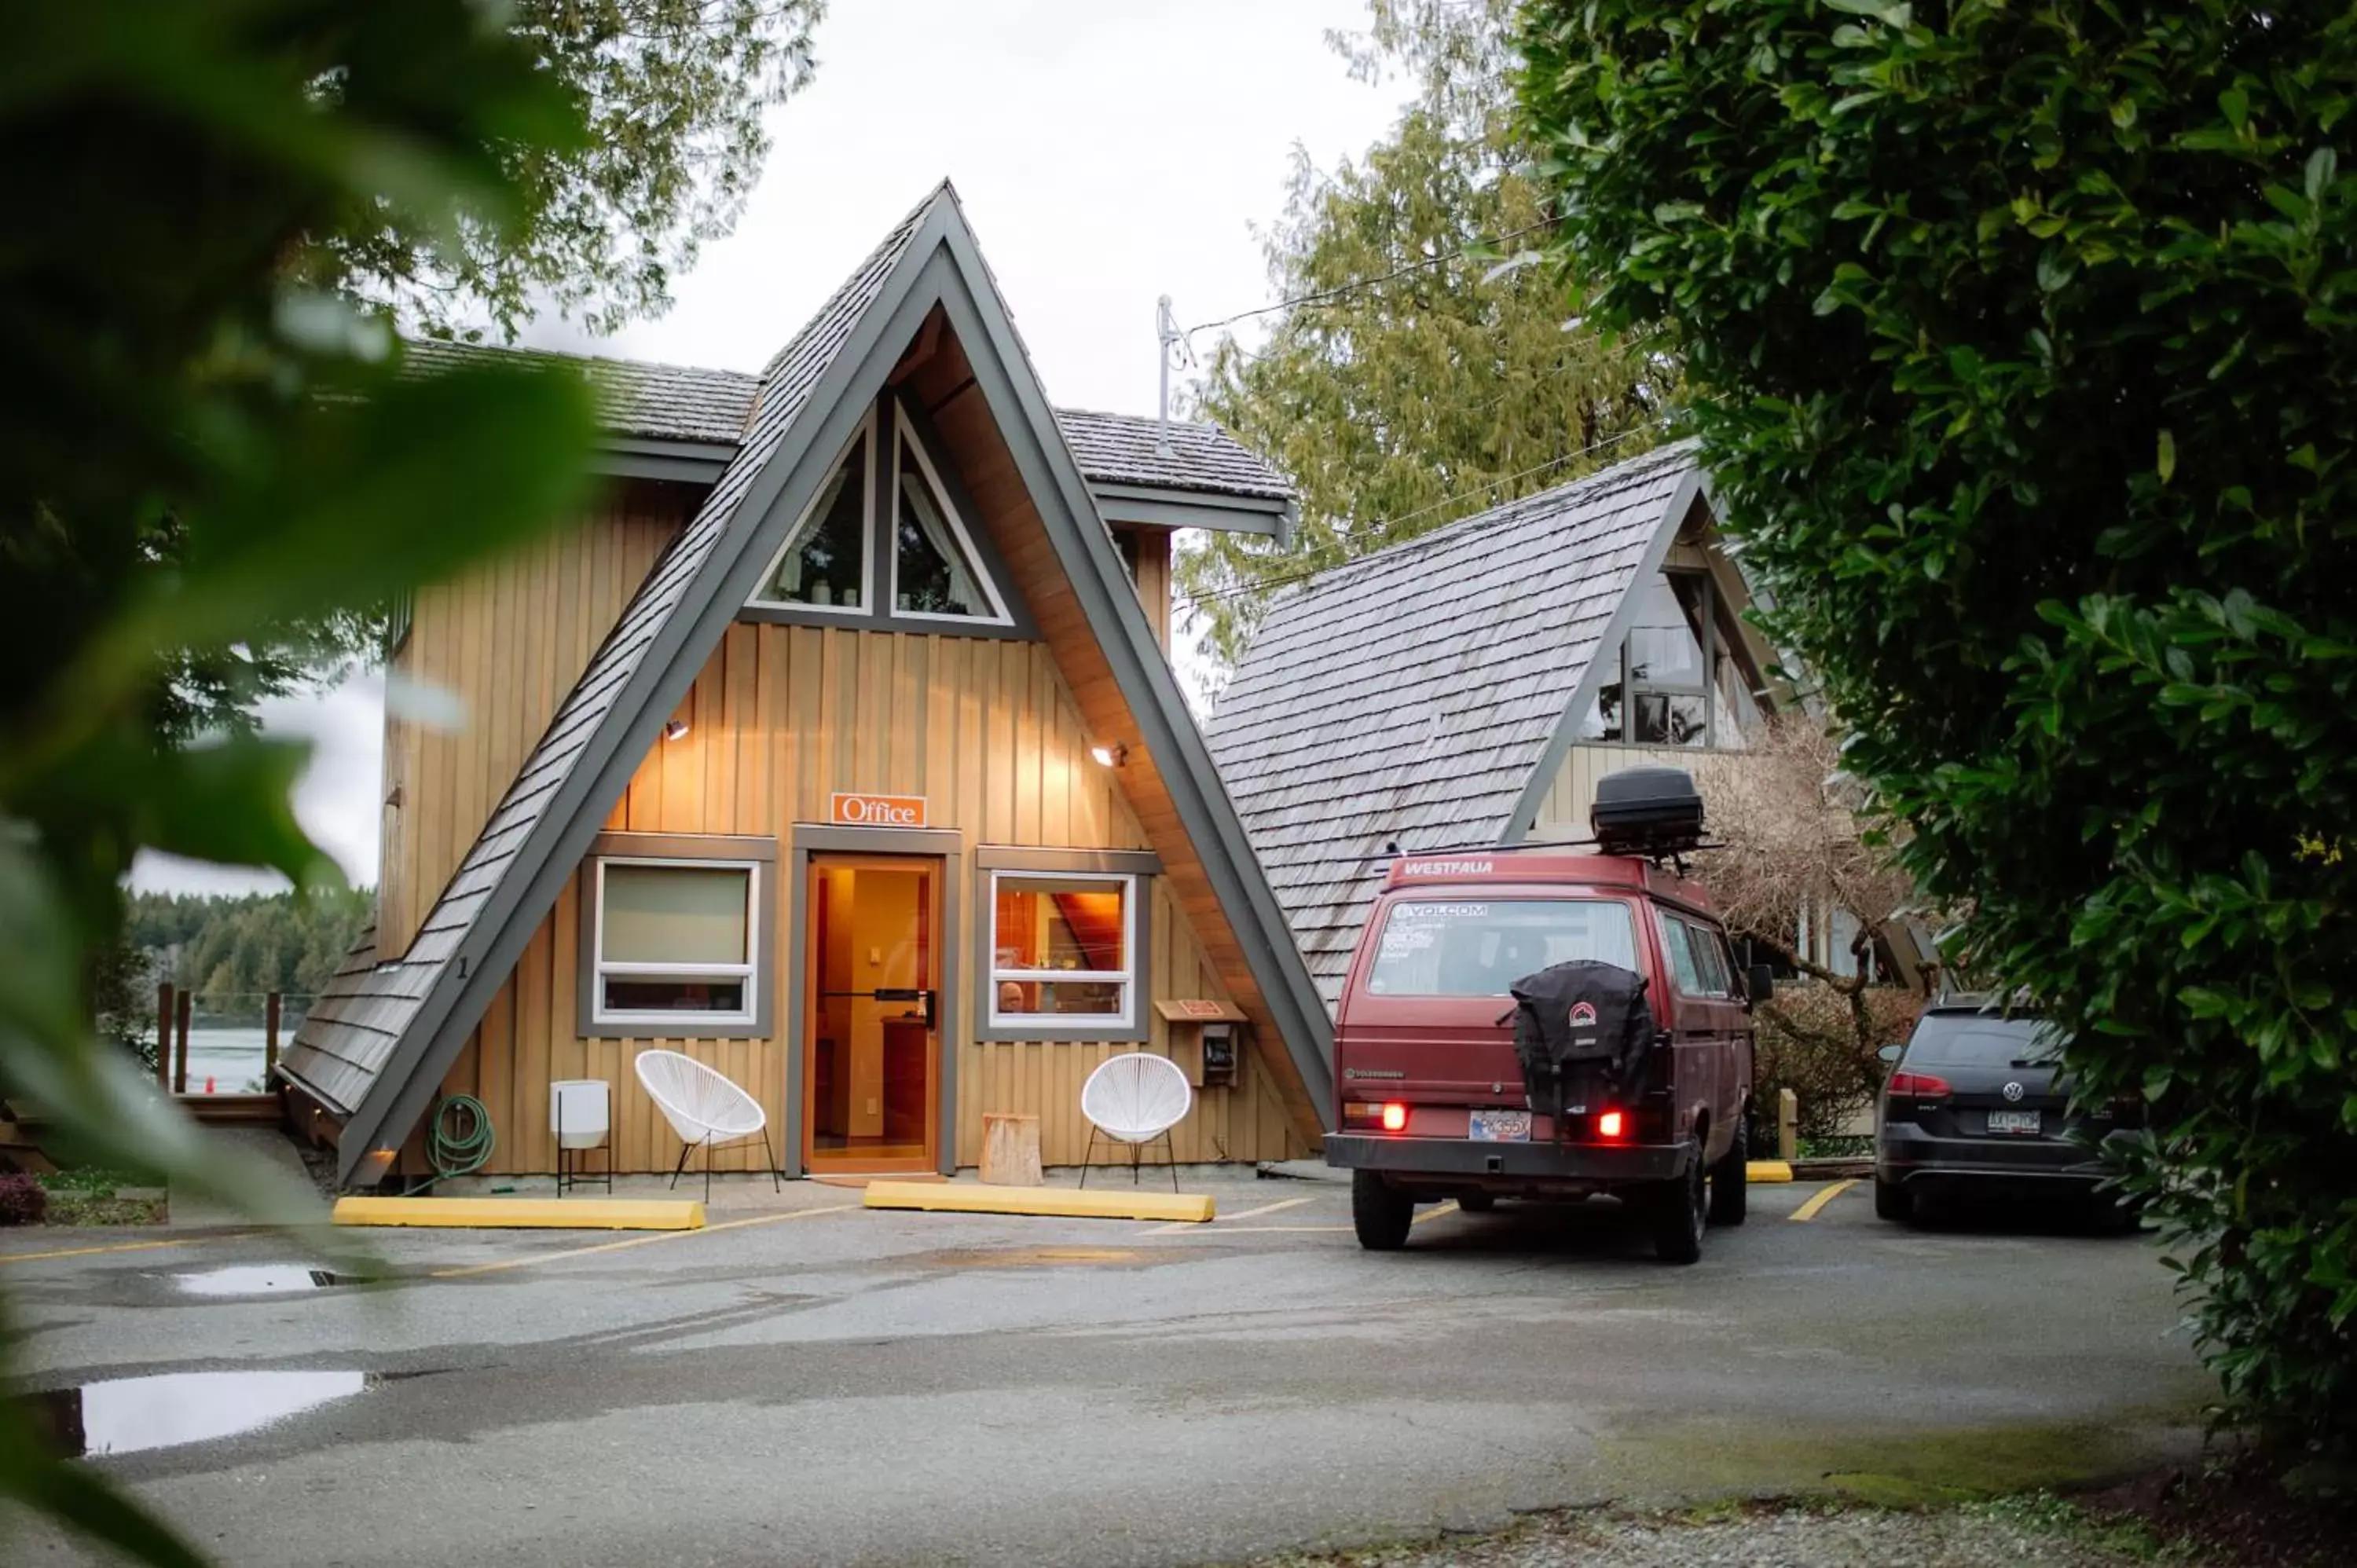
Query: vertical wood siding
[
  {"x": 988, "y": 732},
  {"x": 508, "y": 642},
  {"x": 1564, "y": 812}
]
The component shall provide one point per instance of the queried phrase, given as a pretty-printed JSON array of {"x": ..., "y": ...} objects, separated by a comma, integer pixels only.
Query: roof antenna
[{"x": 1166, "y": 327}]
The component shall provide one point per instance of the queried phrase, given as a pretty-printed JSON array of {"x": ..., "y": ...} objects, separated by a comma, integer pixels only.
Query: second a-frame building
[{"x": 839, "y": 752}]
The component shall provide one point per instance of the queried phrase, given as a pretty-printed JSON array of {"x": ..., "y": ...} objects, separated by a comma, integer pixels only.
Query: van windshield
[{"x": 1478, "y": 948}]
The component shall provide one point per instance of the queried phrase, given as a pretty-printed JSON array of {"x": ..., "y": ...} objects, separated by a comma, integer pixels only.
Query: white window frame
[
  {"x": 867, "y": 608},
  {"x": 670, "y": 1020},
  {"x": 1084, "y": 1025},
  {"x": 905, "y": 433}
]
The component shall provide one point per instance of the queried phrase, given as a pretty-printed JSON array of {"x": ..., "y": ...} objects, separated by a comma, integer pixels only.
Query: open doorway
[{"x": 872, "y": 1007}]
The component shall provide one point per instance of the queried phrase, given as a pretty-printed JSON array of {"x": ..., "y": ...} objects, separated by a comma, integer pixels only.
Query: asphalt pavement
[{"x": 809, "y": 1381}]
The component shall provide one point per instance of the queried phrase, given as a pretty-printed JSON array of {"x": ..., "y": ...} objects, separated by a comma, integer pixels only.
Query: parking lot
[{"x": 807, "y": 1381}]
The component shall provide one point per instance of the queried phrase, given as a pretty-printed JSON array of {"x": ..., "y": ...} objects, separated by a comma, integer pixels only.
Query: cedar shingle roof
[
  {"x": 635, "y": 397},
  {"x": 683, "y": 403},
  {"x": 1410, "y": 695},
  {"x": 1121, "y": 449}
]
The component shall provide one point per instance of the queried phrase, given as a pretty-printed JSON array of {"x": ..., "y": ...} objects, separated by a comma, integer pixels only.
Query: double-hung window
[
  {"x": 1064, "y": 952},
  {"x": 675, "y": 945}
]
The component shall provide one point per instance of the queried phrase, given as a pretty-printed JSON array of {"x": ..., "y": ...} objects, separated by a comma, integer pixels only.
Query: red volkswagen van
[{"x": 1463, "y": 950}]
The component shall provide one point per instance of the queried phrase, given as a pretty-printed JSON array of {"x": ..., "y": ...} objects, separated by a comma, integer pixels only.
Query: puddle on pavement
[
  {"x": 262, "y": 1279},
  {"x": 129, "y": 1416}
]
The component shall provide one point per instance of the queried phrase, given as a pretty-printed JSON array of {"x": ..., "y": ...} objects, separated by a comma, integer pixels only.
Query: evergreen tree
[{"x": 1428, "y": 373}]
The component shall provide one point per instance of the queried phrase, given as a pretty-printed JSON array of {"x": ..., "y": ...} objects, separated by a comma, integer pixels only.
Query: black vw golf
[{"x": 1973, "y": 1107}]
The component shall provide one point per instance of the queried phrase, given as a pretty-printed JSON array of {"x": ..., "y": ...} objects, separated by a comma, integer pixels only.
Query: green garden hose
[{"x": 461, "y": 1139}]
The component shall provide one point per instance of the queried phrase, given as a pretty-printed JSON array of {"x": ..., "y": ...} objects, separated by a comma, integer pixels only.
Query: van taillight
[
  {"x": 1611, "y": 1124},
  {"x": 1919, "y": 1085},
  {"x": 1395, "y": 1117}
]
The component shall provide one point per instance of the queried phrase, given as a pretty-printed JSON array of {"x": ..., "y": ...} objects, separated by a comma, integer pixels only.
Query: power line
[
  {"x": 1257, "y": 584},
  {"x": 1187, "y": 339}
]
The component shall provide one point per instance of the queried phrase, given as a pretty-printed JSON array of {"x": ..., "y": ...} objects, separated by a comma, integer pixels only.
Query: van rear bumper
[{"x": 1586, "y": 1165}]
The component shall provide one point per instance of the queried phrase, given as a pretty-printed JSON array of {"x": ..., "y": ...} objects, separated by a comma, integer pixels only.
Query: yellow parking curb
[
  {"x": 1767, "y": 1171},
  {"x": 526, "y": 1213},
  {"x": 1055, "y": 1202}
]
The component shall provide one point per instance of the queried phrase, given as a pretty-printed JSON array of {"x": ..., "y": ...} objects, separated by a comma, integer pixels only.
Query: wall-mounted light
[
  {"x": 675, "y": 730},
  {"x": 1112, "y": 756}
]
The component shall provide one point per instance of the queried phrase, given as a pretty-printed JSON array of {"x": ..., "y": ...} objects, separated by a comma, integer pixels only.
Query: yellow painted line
[
  {"x": 493, "y": 1268},
  {"x": 1272, "y": 1208},
  {"x": 1229, "y": 1223},
  {"x": 1436, "y": 1211},
  {"x": 1809, "y": 1209},
  {"x": 1056, "y": 1202},
  {"x": 1767, "y": 1171},
  {"x": 117, "y": 1247},
  {"x": 524, "y": 1213}
]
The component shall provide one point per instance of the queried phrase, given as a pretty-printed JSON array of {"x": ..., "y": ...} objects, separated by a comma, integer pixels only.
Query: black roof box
[{"x": 1646, "y": 810}]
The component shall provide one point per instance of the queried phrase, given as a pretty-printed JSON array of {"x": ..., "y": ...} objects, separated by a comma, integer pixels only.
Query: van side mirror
[
  {"x": 1891, "y": 1053},
  {"x": 1762, "y": 983}
]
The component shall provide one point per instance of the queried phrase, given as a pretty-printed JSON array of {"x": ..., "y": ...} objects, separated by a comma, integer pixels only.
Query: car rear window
[
  {"x": 1969, "y": 1039},
  {"x": 1479, "y": 947}
]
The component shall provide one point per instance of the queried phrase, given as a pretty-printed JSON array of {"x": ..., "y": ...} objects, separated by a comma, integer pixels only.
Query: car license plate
[
  {"x": 1499, "y": 1126},
  {"x": 2015, "y": 1122}
]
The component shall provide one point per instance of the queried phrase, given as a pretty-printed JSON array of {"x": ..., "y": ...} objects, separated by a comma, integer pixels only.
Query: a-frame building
[{"x": 837, "y": 750}]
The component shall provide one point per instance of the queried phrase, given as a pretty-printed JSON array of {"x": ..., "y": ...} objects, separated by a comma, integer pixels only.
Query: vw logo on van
[
  {"x": 1583, "y": 1013},
  {"x": 2013, "y": 1092}
]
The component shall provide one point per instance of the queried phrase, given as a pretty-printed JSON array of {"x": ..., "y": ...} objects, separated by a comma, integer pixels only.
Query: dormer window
[{"x": 886, "y": 544}]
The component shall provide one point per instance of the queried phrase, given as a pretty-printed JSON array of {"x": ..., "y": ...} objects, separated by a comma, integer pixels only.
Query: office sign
[{"x": 877, "y": 811}]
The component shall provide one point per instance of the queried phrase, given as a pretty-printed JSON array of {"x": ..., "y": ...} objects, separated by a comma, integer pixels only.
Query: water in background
[{"x": 233, "y": 1058}]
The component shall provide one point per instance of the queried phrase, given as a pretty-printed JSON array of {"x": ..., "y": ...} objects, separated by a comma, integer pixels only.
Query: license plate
[
  {"x": 2015, "y": 1122},
  {"x": 1499, "y": 1126}
]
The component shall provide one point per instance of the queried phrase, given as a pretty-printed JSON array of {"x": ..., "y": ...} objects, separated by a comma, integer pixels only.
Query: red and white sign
[{"x": 877, "y": 811}]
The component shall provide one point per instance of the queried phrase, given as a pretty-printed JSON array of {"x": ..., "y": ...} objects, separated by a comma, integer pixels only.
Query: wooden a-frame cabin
[{"x": 837, "y": 748}]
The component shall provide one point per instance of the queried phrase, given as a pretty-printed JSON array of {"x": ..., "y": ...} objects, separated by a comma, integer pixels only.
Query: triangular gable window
[
  {"x": 1681, "y": 674},
  {"x": 884, "y": 542},
  {"x": 825, "y": 563},
  {"x": 934, "y": 573}
]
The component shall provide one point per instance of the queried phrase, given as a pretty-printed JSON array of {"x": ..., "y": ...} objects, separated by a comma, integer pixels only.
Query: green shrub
[{"x": 2020, "y": 345}]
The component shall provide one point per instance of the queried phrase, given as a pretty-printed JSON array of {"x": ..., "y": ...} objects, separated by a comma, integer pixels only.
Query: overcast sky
[{"x": 1105, "y": 153}]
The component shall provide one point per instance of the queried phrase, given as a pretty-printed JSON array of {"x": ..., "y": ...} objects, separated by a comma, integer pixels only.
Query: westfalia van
[{"x": 1538, "y": 1023}]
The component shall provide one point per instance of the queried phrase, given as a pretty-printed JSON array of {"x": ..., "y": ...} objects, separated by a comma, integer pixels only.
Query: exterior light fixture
[
  {"x": 1112, "y": 756},
  {"x": 675, "y": 730}
]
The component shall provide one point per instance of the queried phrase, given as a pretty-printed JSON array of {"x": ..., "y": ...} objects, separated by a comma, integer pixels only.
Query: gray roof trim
[
  {"x": 1084, "y": 549},
  {"x": 562, "y": 832},
  {"x": 1155, "y": 507},
  {"x": 1566, "y": 732},
  {"x": 648, "y": 458}
]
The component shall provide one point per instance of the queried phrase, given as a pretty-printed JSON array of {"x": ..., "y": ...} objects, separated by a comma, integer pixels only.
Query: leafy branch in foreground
[{"x": 190, "y": 451}]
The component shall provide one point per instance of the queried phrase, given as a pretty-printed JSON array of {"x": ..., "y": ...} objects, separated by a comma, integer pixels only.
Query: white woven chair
[
  {"x": 704, "y": 1108},
  {"x": 1135, "y": 1098}
]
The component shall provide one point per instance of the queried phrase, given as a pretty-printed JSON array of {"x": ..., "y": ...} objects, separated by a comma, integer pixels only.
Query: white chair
[
  {"x": 704, "y": 1108},
  {"x": 1135, "y": 1099}
]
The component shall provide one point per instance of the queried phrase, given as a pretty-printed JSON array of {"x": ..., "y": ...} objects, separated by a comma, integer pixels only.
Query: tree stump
[{"x": 1011, "y": 1150}]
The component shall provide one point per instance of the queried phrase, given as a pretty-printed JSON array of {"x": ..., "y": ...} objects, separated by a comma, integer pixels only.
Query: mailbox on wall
[{"x": 1207, "y": 1039}]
